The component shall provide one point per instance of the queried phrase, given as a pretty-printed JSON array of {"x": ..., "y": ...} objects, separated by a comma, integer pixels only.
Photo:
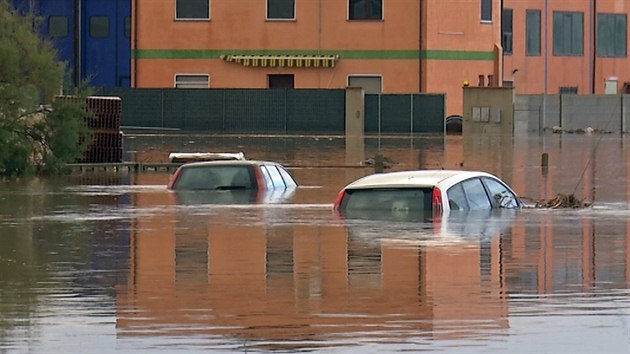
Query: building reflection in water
[
  {"x": 248, "y": 272},
  {"x": 257, "y": 273}
]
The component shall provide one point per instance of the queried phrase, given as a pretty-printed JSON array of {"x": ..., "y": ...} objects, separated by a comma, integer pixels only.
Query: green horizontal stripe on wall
[{"x": 343, "y": 54}]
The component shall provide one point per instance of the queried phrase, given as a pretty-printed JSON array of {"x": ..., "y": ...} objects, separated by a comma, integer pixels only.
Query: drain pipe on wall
[
  {"x": 593, "y": 43},
  {"x": 420, "y": 12},
  {"x": 78, "y": 21},
  {"x": 134, "y": 50}
]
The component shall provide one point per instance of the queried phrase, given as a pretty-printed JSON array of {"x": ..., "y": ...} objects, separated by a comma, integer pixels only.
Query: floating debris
[
  {"x": 562, "y": 201},
  {"x": 379, "y": 159},
  {"x": 588, "y": 130}
]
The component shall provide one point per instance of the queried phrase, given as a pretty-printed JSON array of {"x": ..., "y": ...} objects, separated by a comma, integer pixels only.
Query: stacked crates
[{"x": 104, "y": 123}]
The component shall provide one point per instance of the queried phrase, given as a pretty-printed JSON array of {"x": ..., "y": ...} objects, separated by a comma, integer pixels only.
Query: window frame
[
  {"x": 368, "y": 7},
  {"x": 179, "y": 76},
  {"x": 610, "y": 20},
  {"x": 175, "y": 12},
  {"x": 485, "y": 11},
  {"x": 268, "y": 18},
  {"x": 576, "y": 46},
  {"x": 531, "y": 32}
]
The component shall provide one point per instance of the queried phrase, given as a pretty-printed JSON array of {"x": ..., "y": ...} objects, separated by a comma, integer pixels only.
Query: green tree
[{"x": 38, "y": 132}]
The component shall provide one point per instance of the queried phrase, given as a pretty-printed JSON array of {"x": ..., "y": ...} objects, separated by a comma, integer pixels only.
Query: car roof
[
  {"x": 229, "y": 163},
  {"x": 419, "y": 178}
]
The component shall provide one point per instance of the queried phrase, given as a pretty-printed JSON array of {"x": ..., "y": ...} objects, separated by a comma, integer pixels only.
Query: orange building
[
  {"x": 401, "y": 46},
  {"x": 577, "y": 46}
]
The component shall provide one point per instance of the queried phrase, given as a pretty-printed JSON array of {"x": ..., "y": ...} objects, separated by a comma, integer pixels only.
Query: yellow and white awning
[{"x": 281, "y": 61}]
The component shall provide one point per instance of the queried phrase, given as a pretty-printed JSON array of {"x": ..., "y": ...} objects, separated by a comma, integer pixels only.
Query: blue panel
[
  {"x": 59, "y": 11},
  {"x": 106, "y": 48},
  {"x": 123, "y": 69}
]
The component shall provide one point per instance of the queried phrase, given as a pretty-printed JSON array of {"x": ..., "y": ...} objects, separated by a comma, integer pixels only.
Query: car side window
[
  {"x": 286, "y": 176},
  {"x": 457, "y": 198},
  {"x": 476, "y": 194},
  {"x": 276, "y": 178},
  {"x": 268, "y": 176},
  {"x": 502, "y": 197}
]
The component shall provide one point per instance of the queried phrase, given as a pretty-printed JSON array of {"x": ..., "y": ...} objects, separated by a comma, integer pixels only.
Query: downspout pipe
[
  {"x": 502, "y": 67},
  {"x": 78, "y": 21},
  {"x": 593, "y": 49},
  {"x": 134, "y": 50},
  {"x": 420, "y": 23}
]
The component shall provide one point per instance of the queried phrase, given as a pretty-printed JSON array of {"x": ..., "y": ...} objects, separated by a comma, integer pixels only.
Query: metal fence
[{"x": 308, "y": 111}]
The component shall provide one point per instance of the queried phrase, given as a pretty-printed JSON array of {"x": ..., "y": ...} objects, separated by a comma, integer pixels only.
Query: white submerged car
[{"x": 424, "y": 193}]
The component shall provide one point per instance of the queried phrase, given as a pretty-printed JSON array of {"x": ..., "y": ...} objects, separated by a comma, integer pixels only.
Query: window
[
  {"x": 611, "y": 35},
  {"x": 281, "y": 9},
  {"x": 532, "y": 29},
  {"x": 286, "y": 176},
  {"x": 501, "y": 195},
  {"x": 388, "y": 199},
  {"x": 276, "y": 178},
  {"x": 486, "y": 10},
  {"x": 476, "y": 194},
  {"x": 99, "y": 26},
  {"x": 128, "y": 26},
  {"x": 57, "y": 26},
  {"x": 568, "y": 33},
  {"x": 192, "y": 9},
  {"x": 457, "y": 198},
  {"x": 365, "y": 9},
  {"x": 568, "y": 90},
  {"x": 507, "y": 31},
  {"x": 192, "y": 81},
  {"x": 370, "y": 84},
  {"x": 278, "y": 81}
]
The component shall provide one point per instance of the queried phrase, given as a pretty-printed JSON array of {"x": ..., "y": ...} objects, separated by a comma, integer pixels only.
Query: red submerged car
[{"x": 232, "y": 181}]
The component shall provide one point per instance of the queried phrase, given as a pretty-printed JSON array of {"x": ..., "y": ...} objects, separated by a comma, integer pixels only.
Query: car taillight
[
  {"x": 173, "y": 178},
  {"x": 436, "y": 201},
  {"x": 339, "y": 199},
  {"x": 261, "y": 183}
]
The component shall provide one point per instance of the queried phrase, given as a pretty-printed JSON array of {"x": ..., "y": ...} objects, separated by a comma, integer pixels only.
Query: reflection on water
[{"x": 118, "y": 261}]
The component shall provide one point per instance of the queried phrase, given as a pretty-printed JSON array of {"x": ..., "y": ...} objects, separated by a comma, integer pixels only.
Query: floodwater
[{"x": 106, "y": 262}]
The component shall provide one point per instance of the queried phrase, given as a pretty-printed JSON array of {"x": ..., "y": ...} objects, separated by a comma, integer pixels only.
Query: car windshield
[
  {"x": 394, "y": 200},
  {"x": 216, "y": 177}
]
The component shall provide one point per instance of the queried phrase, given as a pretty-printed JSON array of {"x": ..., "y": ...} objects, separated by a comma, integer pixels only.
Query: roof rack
[{"x": 204, "y": 156}]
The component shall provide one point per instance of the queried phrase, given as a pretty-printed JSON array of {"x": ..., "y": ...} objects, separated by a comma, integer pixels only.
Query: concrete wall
[
  {"x": 600, "y": 112},
  {"x": 488, "y": 111},
  {"x": 607, "y": 113},
  {"x": 530, "y": 114}
]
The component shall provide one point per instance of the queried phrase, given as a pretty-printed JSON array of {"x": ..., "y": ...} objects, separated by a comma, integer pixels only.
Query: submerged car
[
  {"x": 232, "y": 181},
  {"x": 425, "y": 193}
]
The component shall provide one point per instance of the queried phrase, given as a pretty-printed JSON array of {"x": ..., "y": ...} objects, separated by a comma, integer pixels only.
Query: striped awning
[{"x": 281, "y": 61}]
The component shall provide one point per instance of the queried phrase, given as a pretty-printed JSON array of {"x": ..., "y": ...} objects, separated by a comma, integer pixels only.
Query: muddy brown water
[{"x": 112, "y": 262}]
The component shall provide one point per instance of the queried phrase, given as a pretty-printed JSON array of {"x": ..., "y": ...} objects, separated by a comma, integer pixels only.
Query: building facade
[
  {"x": 91, "y": 36},
  {"x": 577, "y": 46},
  {"x": 384, "y": 46},
  {"x": 402, "y": 46}
]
